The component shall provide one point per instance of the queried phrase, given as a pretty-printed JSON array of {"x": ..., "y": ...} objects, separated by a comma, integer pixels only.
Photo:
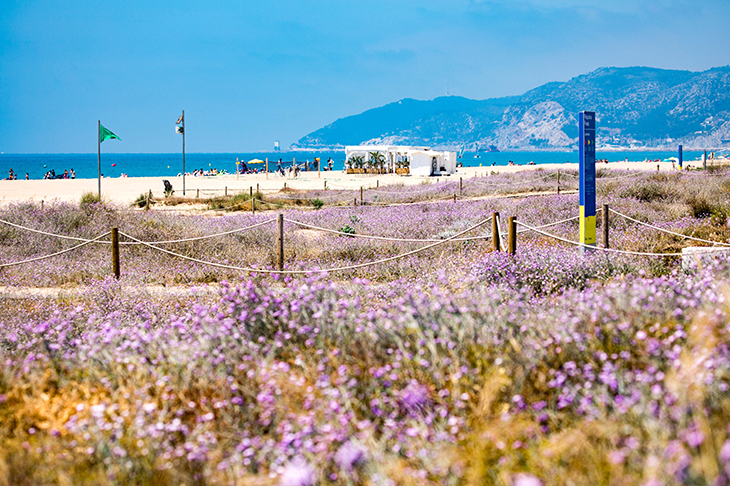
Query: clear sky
[{"x": 251, "y": 72}]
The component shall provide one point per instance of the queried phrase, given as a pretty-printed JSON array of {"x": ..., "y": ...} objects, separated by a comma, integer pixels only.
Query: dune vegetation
[{"x": 452, "y": 365}]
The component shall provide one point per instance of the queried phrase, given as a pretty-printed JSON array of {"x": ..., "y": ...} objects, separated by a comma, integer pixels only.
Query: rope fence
[
  {"x": 496, "y": 235},
  {"x": 666, "y": 230},
  {"x": 36, "y": 259},
  {"x": 381, "y": 238}
]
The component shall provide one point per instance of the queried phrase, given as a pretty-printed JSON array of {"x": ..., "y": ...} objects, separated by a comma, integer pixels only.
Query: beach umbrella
[{"x": 255, "y": 161}]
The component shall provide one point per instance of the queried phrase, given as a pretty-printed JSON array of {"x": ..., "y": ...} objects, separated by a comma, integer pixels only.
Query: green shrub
[
  {"x": 141, "y": 200},
  {"x": 90, "y": 198},
  {"x": 347, "y": 230}
]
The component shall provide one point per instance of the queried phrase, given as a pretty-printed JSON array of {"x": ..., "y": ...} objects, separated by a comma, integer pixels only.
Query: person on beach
[
  {"x": 27, "y": 176},
  {"x": 73, "y": 174},
  {"x": 10, "y": 175},
  {"x": 330, "y": 164}
]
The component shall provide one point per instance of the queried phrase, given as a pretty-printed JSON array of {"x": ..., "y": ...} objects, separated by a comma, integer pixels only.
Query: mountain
[{"x": 635, "y": 107}]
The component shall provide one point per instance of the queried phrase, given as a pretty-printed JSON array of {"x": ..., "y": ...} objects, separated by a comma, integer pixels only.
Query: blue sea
[{"x": 169, "y": 165}]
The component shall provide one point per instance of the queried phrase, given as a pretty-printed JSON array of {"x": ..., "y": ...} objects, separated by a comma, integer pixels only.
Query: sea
[{"x": 170, "y": 165}]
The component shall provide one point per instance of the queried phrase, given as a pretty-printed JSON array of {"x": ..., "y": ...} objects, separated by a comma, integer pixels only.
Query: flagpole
[
  {"x": 183, "y": 134},
  {"x": 98, "y": 152}
]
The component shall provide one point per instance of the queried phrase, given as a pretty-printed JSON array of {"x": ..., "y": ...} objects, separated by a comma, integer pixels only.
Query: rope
[
  {"x": 240, "y": 204},
  {"x": 219, "y": 265},
  {"x": 57, "y": 253},
  {"x": 197, "y": 238},
  {"x": 128, "y": 243},
  {"x": 301, "y": 272},
  {"x": 44, "y": 232},
  {"x": 555, "y": 223},
  {"x": 382, "y": 238},
  {"x": 666, "y": 230},
  {"x": 611, "y": 250}
]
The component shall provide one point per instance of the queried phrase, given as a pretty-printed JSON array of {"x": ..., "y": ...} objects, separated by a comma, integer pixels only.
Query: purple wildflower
[
  {"x": 298, "y": 472},
  {"x": 349, "y": 455}
]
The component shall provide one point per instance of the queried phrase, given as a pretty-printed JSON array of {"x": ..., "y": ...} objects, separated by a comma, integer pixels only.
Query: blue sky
[{"x": 251, "y": 72}]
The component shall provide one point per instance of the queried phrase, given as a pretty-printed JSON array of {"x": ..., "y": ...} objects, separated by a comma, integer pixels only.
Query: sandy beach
[{"x": 125, "y": 190}]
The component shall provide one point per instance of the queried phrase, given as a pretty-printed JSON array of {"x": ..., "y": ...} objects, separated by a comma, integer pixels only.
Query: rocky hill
[{"x": 635, "y": 107}]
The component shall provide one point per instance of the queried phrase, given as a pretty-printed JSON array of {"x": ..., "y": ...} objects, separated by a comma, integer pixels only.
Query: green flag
[{"x": 105, "y": 134}]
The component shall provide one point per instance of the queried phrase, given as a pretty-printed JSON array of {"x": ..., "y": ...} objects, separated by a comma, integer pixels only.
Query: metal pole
[
  {"x": 98, "y": 152},
  {"x": 495, "y": 232},
  {"x": 512, "y": 241},
  {"x": 183, "y": 134},
  {"x": 280, "y": 242},
  {"x": 115, "y": 252},
  {"x": 605, "y": 225}
]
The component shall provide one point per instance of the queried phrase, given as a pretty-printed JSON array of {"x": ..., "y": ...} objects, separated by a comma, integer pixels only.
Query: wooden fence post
[
  {"x": 257, "y": 187},
  {"x": 280, "y": 241},
  {"x": 147, "y": 201},
  {"x": 197, "y": 194},
  {"x": 512, "y": 241},
  {"x": 454, "y": 197},
  {"x": 377, "y": 183},
  {"x": 461, "y": 187},
  {"x": 115, "y": 252},
  {"x": 250, "y": 192},
  {"x": 495, "y": 232},
  {"x": 285, "y": 185},
  {"x": 325, "y": 185},
  {"x": 605, "y": 225},
  {"x": 42, "y": 203},
  {"x": 225, "y": 191},
  {"x": 354, "y": 201},
  {"x": 360, "y": 195},
  {"x": 558, "y": 181}
]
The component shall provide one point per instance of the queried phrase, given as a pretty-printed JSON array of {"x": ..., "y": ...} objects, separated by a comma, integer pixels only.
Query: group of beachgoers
[
  {"x": 294, "y": 169},
  {"x": 51, "y": 174},
  {"x": 14, "y": 177},
  {"x": 205, "y": 173}
]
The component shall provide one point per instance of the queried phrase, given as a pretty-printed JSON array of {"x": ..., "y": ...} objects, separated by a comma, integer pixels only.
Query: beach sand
[{"x": 125, "y": 190}]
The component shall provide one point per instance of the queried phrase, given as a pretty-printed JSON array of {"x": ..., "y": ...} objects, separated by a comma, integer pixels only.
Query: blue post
[{"x": 587, "y": 178}]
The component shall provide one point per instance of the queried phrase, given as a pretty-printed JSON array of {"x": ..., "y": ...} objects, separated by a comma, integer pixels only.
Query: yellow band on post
[{"x": 587, "y": 228}]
